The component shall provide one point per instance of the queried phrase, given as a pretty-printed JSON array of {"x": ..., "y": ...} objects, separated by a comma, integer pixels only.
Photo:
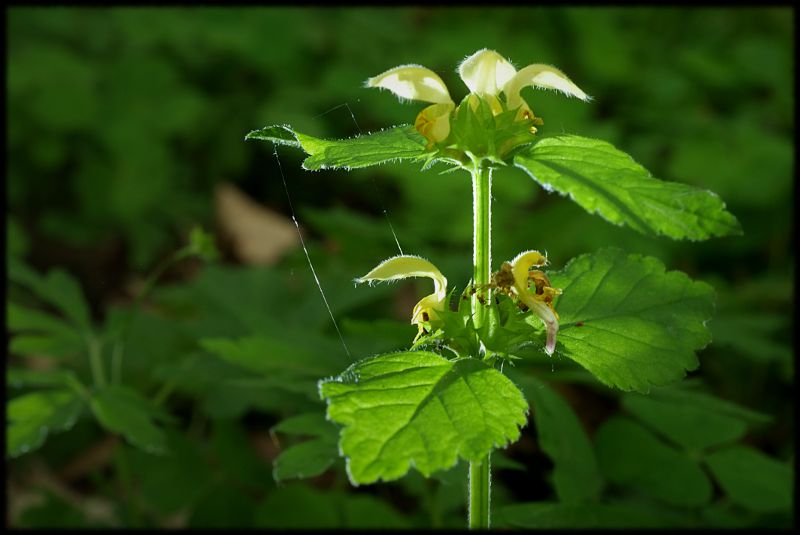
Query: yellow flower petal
[
  {"x": 434, "y": 122},
  {"x": 540, "y": 301},
  {"x": 522, "y": 263},
  {"x": 413, "y": 82},
  {"x": 542, "y": 76},
  {"x": 486, "y": 72}
]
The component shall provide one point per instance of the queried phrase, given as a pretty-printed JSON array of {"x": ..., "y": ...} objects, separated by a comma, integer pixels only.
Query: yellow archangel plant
[{"x": 391, "y": 421}]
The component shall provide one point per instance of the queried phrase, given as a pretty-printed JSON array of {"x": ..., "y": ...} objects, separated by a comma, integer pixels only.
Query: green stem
[
  {"x": 480, "y": 481},
  {"x": 480, "y": 472}
]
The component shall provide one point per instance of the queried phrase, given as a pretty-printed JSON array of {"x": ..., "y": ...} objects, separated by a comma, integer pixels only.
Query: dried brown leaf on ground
[{"x": 256, "y": 234}]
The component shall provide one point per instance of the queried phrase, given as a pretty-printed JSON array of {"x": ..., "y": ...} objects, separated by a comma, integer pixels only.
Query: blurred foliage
[{"x": 121, "y": 121}]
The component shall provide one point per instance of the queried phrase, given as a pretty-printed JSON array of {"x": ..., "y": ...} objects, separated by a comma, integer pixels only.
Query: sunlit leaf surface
[
  {"x": 419, "y": 409},
  {"x": 609, "y": 182}
]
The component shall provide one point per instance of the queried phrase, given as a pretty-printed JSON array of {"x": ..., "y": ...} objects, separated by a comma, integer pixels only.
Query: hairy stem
[{"x": 480, "y": 472}]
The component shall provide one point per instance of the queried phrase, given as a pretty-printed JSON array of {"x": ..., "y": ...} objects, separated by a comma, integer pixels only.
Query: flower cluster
[
  {"x": 516, "y": 279},
  {"x": 488, "y": 75}
]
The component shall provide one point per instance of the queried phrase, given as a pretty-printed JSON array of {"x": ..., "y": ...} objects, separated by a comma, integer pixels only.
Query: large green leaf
[
  {"x": 630, "y": 322},
  {"x": 393, "y": 144},
  {"x": 33, "y": 416},
  {"x": 751, "y": 479},
  {"x": 417, "y": 408},
  {"x": 629, "y": 455},
  {"x": 561, "y": 436},
  {"x": 124, "y": 411},
  {"x": 607, "y": 181}
]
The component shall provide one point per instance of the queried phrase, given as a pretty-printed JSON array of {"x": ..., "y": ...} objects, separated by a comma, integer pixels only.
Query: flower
[
  {"x": 487, "y": 74},
  {"x": 516, "y": 277},
  {"x": 405, "y": 266}
]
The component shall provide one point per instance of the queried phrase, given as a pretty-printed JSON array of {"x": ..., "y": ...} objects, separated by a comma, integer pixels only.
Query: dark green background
[{"x": 122, "y": 121}]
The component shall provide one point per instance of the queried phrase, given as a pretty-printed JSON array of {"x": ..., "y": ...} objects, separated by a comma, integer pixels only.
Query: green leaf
[
  {"x": 57, "y": 288},
  {"x": 266, "y": 355},
  {"x": 607, "y": 181},
  {"x": 237, "y": 457},
  {"x": 21, "y": 377},
  {"x": 306, "y": 459},
  {"x": 683, "y": 423},
  {"x": 678, "y": 394},
  {"x": 630, "y": 322},
  {"x": 542, "y": 515},
  {"x": 561, "y": 436},
  {"x": 417, "y": 408},
  {"x": 172, "y": 481},
  {"x": 312, "y": 457},
  {"x": 751, "y": 479},
  {"x": 310, "y": 424},
  {"x": 279, "y": 509},
  {"x": 393, "y": 144},
  {"x": 629, "y": 455},
  {"x": 33, "y": 416},
  {"x": 40, "y": 333},
  {"x": 28, "y": 319},
  {"x": 329, "y": 510},
  {"x": 122, "y": 410}
]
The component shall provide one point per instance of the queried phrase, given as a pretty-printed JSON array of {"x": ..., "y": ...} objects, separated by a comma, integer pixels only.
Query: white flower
[
  {"x": 405, "y": 266},
  {"x": 486, "y": 73}
]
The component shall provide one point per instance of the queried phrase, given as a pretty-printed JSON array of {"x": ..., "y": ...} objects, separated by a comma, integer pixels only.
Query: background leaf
[
  {"x": 686, "y": 422},
  {"x": 752, "y": 479},
  {"x": 629, "y": 455},
  {"x": 306, "y": 459},
  {"x": 562, "y": 437},
  {"x": 32, "y": 417},
  {"x": 124, "y": 411},
  {"x": 572, "y": 516}
]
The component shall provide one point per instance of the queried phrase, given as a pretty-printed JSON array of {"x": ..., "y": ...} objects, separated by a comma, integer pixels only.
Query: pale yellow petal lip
[
  {"x": 544, "y": 77},
  {"x": 405, "y": 266},
  {"x": 413, "y": 82},
  {"x": 519, "y": 268},
  {"x": 486, "y": 72},
  {"x": 522, "y": 263}
]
